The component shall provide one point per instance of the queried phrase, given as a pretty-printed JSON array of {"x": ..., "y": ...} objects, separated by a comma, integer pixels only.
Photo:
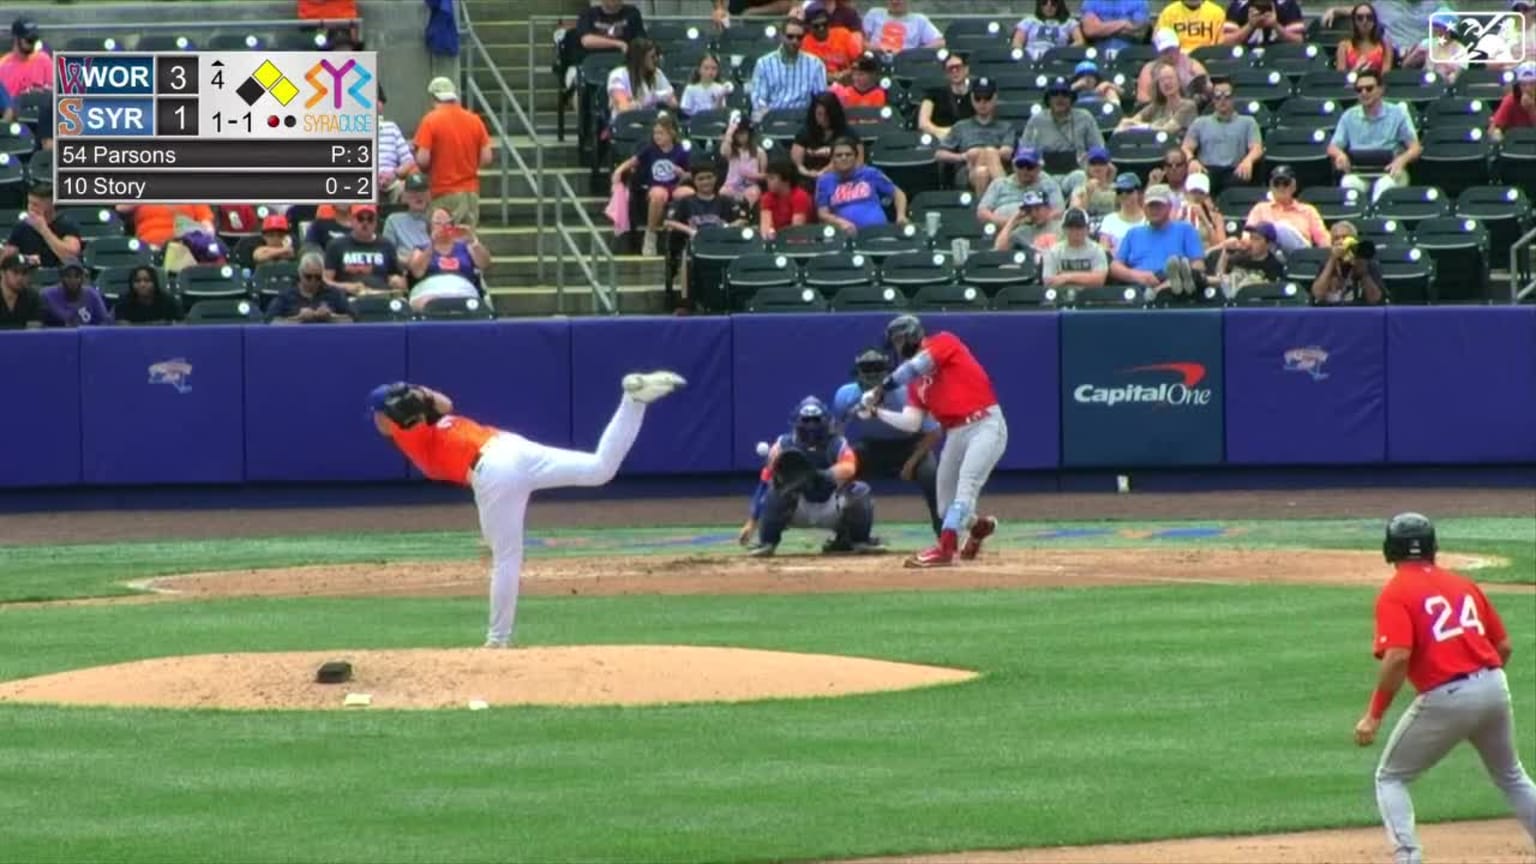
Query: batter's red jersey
[
  {"x": 957, "y": 389},
  {"x": 444, "y": 450},
  {"x": 1444, "y": 619}
]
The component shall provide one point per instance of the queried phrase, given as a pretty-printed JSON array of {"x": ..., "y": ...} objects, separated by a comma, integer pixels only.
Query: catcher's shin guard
[
  {"x": 858, "y": 513},
  {"x": 778, "y": 510}
]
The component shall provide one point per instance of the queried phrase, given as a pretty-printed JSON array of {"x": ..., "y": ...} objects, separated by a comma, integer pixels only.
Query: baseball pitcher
[
  {"x": 882, "y": 449},
  {"x": 1439, "y": 631},
  {"x": 945, "y": 381},
  {"x": 504, "y": 468},
  {"x": 808, "y": 482}
]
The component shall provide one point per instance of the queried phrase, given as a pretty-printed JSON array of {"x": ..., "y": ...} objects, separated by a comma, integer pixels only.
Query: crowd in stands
[
  {"x": 1047, "y": 125},
  {"x": 154, "y": 263}
]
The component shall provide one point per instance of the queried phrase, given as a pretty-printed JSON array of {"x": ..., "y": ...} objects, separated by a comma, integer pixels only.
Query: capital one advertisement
[{"x": 1142, "y": 389}]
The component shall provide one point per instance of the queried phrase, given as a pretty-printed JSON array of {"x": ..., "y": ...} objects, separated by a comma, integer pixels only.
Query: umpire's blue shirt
[{"x": 855, "y": 429}]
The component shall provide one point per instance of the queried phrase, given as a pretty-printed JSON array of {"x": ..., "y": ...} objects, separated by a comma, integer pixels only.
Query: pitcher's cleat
[
  {"x": 647, "y": 387},
  {"x": 981, "y": 529}
]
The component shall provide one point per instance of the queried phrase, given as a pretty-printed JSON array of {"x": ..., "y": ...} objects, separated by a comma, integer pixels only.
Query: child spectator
[
  {"x": 784, "y": 203},
  {"x": 745, "y": 162},
  {"x": 1252, "y": 258},
  {"x": 659, "y": 168},
  {"x": 702, "y": 209},
  {"x": 1074, "y": 261},
  {"x": 865, "y": 89},
  {"x": 705, "y": 91},
  {"x": 1517, "y": 110},
  {"x": 276, "y": 241}
]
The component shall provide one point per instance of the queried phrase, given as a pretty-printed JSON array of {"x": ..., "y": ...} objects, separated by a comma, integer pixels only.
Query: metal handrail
[
  {"x": 605, "y": 301},
  {"x": 1520, "y": 268}
]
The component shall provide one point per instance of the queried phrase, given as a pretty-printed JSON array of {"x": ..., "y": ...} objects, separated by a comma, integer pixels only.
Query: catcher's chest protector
[{"x": 822, "y": 457}]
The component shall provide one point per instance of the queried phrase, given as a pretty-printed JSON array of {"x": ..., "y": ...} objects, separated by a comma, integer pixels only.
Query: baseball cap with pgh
[
  {"x": 1164, "y": 39},
  {"x": 442, "y": 90},
  {"x": 1159, "y": 193}
]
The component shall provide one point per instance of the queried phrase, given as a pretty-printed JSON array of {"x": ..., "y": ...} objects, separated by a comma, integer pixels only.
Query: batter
[
  {"x": 1439, "y": 631},
  {"x": 945, "y": 381},
  {"x": 504, "y": 468}
]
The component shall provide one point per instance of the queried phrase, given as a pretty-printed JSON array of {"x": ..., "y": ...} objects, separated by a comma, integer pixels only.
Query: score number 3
[{"x": 1442, "y": 609}]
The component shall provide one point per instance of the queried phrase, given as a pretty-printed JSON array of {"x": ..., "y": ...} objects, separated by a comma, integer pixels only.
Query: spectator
[
  {"x": 452, "y": 146},
  {"x": 724, "y": 9},
  {"x": 1052, "y": 26},
  {"x": 1200, "y": 211},
  {"x": 837, "y": 47},
  {"x": 43, "y": 236},
  {"x": 1196, "y": 23},
  {"x": 849, "y": 196},
  {"x": 313, "y": 300},
  {"x": 894, "y": 29},
  {"x": 785, "y": 203},
  {"x": 825, "y": 122},
  {"x": 981, "y": 144},
  {"x": 609, "y": 25},
  {"x": 660, "y": 168},
  {"x": 1250, "y": 259},
  {"x": 396, "y": 161},
  {"x": 1006, "y": 194},
  {"x": 702, "y": 209},
  {"x": 146, "y": 301},
  {"x": 19, "y": 304},
  {"x": 1517, "y": 109},
  {"x": 1263, "y": 22},
  {"x": 1110, "y": 25},
  {"x": 1224, "y": 143},
  {"x": 276, "y": 241},
  {"x": 1367, "y": 46},
  {"x": 842, "y": 12},
  {"x": 1075, "y": 261},
  {"x": 1173, "y": 173},
  {"x": 705, "y": 90},
  {"x": 1128, "y": 213},
  {"x": 410, "y": 229},
  {"x": 72, "y": 303},
  {"x": 1351, "y": 274},
  {"x": 27, "y": 66},
  {"x": 1169, "y": 54},
  {"x": 1405, "y": 20},
  {"x": 1168, "y": 111},
  {"x": 1297, "y": 223},
  {"x": 1063, "y": 127},
  {"x": 363, "y": 262},
  {"x": 1162, "y": 255},
  {"x": 1089, "y": 85},
  {"x": 943, "y": 107},
  {"x": 1031, "y": 227},
  {"x": 788, "y": 77},
  {"x": 639, "y": 82},
  {"x": 454, "y": 252},
  {"x": 159, "y": 224},
  {"x": 339, "y": 18},
  {"x": 866, "y": 90},
  {"x": 746, "y": 161},
  {"x": 1378, "y": 127},
  {"x": 326, "y": 228},
  {"x": 1096, "y": 194}
]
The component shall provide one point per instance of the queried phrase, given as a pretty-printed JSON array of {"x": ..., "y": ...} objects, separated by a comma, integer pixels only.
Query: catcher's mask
[
  {"x": 904, "y": 335},
  {"x": 1410, "y": 537},
  {"x": 870, "y": 368},
  {"x": 811, "y": 422}
]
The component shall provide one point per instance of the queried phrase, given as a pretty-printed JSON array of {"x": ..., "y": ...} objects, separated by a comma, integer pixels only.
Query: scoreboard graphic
[{"x": 212, "y": 127}]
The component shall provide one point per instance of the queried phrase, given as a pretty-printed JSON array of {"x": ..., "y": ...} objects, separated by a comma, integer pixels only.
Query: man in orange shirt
[
  {"x": 1439, "y": 631},
  {"x": 452, "y": 146},
  {"x": 837, "y": 47},
  {"x": 504, "y": 468}
]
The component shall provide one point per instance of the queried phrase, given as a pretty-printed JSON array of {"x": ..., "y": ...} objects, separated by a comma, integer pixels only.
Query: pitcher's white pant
[
  {"x": 511, "y": 469},
  {"x": 970, "y": 454}
]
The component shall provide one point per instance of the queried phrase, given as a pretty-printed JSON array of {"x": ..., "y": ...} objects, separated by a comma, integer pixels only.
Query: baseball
[
  {"x": 1123, "y": 483},
  {"x": 762, "y": 449}
]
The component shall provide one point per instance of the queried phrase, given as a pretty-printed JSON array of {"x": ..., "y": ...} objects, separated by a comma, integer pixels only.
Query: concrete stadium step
[
  {"x": 527, "y": 240},
  {"x": 544, "y": 300},
  {"x": 521, "y": 271},
  {"x": 519, "y": 185},
  {"x": 522, "y": 211}
]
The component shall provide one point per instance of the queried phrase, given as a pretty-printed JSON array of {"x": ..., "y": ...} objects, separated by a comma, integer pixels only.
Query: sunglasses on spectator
[
  {"x": 954, "y": 67},
  {"x": 1365, "y": 88},
  {"x": 1282, "y": 181},
  {"x": 1222, "y": 94}
]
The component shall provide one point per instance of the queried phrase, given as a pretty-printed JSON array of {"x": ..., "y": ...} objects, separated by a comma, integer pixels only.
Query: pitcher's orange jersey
[{"x": 444, "y": 450}]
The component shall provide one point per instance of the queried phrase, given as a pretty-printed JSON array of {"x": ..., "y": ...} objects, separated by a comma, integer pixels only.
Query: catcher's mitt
[
  {"x": 405, "y": 405},
  {"x": 793, "y": 472}
]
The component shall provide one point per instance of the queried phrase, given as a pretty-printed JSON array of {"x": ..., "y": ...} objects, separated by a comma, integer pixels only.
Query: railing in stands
[{"x": 1522, "y": 282}]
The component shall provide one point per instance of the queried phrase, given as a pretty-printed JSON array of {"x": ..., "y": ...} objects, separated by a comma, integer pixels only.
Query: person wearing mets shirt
[
  {"x": 945, "y": 381},
  {"x": 1438, "y": 630},
  {"x": 504, "y": 469}
]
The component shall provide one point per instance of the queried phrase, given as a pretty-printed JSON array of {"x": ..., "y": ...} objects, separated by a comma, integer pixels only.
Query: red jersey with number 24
[
  {"x": 957, "y": 388},
  {"x": 1444, "y": 619}
]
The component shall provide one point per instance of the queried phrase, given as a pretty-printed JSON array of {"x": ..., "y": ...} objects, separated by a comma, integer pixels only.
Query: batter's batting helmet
[
  {"x": 871, "y": 367},
  {"x": 1410, "y": 537},
  {"x": 905, "y": 335},
  {"x": 811, "y": 424}
]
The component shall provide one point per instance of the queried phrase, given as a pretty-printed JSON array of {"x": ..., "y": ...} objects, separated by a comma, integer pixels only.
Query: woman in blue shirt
[{"x": 849, "y": 195}]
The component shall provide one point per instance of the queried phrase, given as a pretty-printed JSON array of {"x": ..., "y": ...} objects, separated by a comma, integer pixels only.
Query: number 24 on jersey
[{"x": 1443, "y": 609}]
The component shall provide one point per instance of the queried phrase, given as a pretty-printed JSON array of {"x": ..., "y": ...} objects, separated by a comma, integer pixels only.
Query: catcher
[
  {"x": 808, "y": 482},
  {"x": 504, "y": 468}
]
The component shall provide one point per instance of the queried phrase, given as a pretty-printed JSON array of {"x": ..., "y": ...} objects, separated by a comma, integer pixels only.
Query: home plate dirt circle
[{"x": 453, "y": 678}]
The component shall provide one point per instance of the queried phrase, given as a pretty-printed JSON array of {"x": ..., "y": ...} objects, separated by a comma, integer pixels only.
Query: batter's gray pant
[
  {"x": 1473, "y": 709},
  {"x": 970, "y": 454}
]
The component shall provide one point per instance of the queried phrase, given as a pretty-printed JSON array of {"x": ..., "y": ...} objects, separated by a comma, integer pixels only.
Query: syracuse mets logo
[
  {"x": 174, "y": 372},
  {"x": 338, "y": 75},
  {"x": 1309, "y": 360},
  {"x": 325, "y": 78}
]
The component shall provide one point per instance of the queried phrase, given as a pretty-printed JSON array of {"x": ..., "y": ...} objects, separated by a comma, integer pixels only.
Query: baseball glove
[
  {"x": 405, "y": 405},
  {"x": 794, "y": 472}
]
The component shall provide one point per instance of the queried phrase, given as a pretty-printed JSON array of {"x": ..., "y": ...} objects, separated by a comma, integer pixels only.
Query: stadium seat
[
  {"x": 1304, "y": 265},
  {"x": 298, "y": 40},
  {"x": 706, "y": 128},
  {"x": 710, "y": 253},
  {"x": 672, "y": 33},
  {"x": 1383, "y": 230},
  {"x": 456, "y": 309},
  {"x": 1415, "y": 87},
  {"x": 1483, "y": 82},
  {"x": 1139, "y": 150},
  {"x": 1328, "y": 84},
  {"x": 1234, "y": 202},
  {"x": 1335, "y": 204},
  {"x": 1106, "y": 114},
  {"x": 1408, "y": 273},
  {"x": 42, "y": 277},
  {"x": 210, "y": 281},
  {"x": 39, "y": 167},
  {"x": 1208, "y": 54},
  {"x": 1228, "y": 68},
  {"x": 13, "y": 183},
  {"x": 92, "y": 43},
  {"x": 868, "y": 298},
  {"x": 1459, "y": 248},
  {"x": 164, "y": 40},
  {"x": 950, "y": 298},
  {"x": 17, "y": 141},
  {"x": 380, "y": 309},
  {"x": 227, "y": 311},
  {"x": 913, "y": 165},
  {"x": 880, "y": 241},
  {"x": 808, "y": 241},
  {"x": 1454, "y": 159},
  {"x": 994, "y": 270},
  {"x": 1516, "y": 162},
  {"x": 94, "y": 222},
  {"x": 912, "y": 270},
  {"x": 947, "y": 203},
  {"x": 236, "y": 42},
  {"x": 116, "y": 252},
  {"x": 1308, "y": 113},
  {"x": 1292, "y": 59},
  {"x": 980, "y": 235},
  {"x": 1288, "y": 293},
  {"x": 828, "y": 273},
  {"x": 1412, "y": 204},
  {"x": 998, "y": 58},
  {"x": 747, "y": 38},
  {"x": 1505, "y": 211},
  {"x": 786, "y": 298},
  {"x": 1458, "y": 111},
  {"x": 1070, "y": 55},
  {"x": 1106, "y": 297},
  {"x": 1304, "y": 150},
  {"x": 870, "y": 115},
  {"x": 1025, "y": 297},
  {"x": 114, "y": 282},
  {"x": 751, "y": 273},
  {"x": 275, "y": 277},
  {"x": 1258, "y": 110}
]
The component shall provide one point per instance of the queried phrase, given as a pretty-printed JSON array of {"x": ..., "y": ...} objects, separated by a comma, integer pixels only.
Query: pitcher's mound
[{"x": 452, "y": 678}]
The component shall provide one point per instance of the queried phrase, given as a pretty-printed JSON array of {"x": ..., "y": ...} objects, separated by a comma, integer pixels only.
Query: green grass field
[{"x": 1102, "y": 714}]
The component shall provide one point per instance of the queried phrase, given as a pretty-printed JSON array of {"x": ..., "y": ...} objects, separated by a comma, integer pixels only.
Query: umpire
[{"x": 884, "y": 450}]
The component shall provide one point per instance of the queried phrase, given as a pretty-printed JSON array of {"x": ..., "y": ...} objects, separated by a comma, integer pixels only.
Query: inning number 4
[{"x": 1441, "y": 608}]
